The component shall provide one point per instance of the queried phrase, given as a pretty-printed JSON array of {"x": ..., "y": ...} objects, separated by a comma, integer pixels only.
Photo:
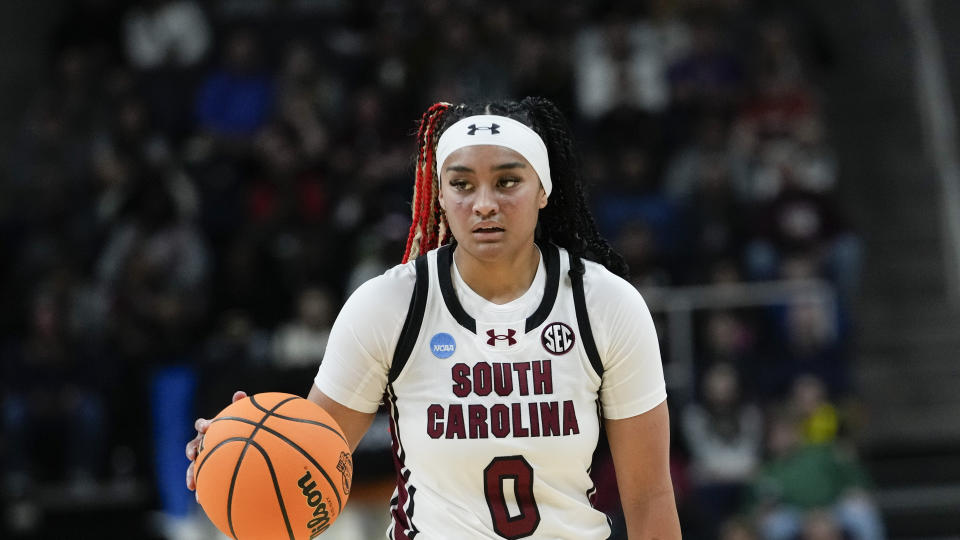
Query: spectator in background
[
  {"x": 797, "y": 221},
  {"x": 166, "y": 43},
  {"x": 51, "y": 387},
  {"x": 818, "y": 417},
  {"x": 236, "y": 343},
  {"x": 724, "y": 436},
  {"x": 821, "y": 525},
  {"x": 729, "y": 338},
  {"x": 622, "y": 63},
  {"x": 709, "y": 78},
  {"x": 814, "y": 163},
  {"x": 166, "y": 33},
  {"x": 714, "y": 220},
  {"x": 153, "y": 270},
  {"x": 375, "y": 250},
  {"x": 799, "y": 478},
  {"x": 301, "y": 342},
  {"x": 811, "y": 342},
  {"x": 640, "y": 248},
  {"x": 737, "y": 529},
  {"x": 709, "y": 143},
  {"x": 236, "y": 98},
  {"x": 460, "y": 69},
  {"x": 305, "y": 97}
]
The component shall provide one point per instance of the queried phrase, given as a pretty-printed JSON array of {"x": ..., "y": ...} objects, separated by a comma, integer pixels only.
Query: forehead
[{"x": 482, "y": 157}]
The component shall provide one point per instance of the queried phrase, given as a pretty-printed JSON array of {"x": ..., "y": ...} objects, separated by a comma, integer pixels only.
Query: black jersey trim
[
  {"x": 444, "y": 260},
  {"x": 551, "y": 261},
  {"x": 583, "y": 319},
  {"x": 411, "y": 325}
]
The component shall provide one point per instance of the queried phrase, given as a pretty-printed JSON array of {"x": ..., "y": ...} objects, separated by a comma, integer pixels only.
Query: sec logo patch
[
  {"x": 442, "y": 345},
  {"x": 557, "y": 338}
]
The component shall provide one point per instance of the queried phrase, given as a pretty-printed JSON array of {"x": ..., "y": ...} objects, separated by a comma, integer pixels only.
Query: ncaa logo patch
[
  {"x": 442, "y": 345},
  {"x": 557, "y": 338}
]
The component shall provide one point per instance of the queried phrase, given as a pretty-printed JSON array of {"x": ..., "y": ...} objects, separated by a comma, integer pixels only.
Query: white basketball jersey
[{"x": 494, "y": 424}]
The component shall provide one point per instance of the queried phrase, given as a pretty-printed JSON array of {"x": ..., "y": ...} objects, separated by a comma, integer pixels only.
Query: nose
[{"x": 485, "y": 202}]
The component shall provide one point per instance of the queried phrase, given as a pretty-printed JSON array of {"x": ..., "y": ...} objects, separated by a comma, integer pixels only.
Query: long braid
[
  {"x": 567, "y": 220},
  {"x": 422, "y": 236}
]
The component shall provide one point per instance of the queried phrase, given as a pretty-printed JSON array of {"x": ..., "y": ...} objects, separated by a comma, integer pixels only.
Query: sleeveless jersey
[{"x": 494, "y": 424}]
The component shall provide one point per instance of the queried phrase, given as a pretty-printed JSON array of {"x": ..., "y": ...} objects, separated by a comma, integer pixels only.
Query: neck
[{"x": 499, "y": 281}]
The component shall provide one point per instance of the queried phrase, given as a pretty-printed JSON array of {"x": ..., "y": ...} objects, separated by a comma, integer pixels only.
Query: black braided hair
[{"x": 566, "y": 220}]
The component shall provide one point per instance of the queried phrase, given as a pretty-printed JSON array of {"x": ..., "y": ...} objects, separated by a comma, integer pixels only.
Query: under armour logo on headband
[
  {"x": 510, "y": 133},
  {"x": 494, "y": 129}
]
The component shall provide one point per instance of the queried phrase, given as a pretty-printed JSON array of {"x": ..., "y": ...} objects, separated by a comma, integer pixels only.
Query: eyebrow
[{"x": 501, "y": 167}]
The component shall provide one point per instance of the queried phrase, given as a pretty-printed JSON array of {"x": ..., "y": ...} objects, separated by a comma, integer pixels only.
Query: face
[{"x": 491, "y": 196}]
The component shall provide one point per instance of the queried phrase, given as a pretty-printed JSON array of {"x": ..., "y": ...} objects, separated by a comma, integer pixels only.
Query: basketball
[{"x": 273, "y": 465}]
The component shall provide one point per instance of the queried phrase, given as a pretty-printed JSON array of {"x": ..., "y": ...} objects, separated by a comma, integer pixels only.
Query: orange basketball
[{"x": 273, "y": 465}]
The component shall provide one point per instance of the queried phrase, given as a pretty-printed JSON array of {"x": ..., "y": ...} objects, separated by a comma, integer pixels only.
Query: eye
[
  {"x": 508, "y": 181},
  {"x": 459, "y": 184}
]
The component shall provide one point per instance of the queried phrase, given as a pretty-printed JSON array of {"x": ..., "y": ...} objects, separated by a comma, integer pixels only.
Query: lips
[{"x": 487, "y": 228}]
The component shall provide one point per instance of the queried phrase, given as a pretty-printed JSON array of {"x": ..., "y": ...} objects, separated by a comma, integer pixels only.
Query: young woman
[{"x": 503, "y": 352}]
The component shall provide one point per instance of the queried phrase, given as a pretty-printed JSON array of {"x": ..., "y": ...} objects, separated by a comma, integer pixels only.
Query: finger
[
  {"x": 192, "y": 449},
  {"x": 191, "y": 484},
  {"x": 201, "y": 425},
  {"x": 238, "y": 395}
]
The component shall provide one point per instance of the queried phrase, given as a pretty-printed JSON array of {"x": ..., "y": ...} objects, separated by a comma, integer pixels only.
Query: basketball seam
[
  {"x": 301, "y": 420},
  {"x": 266, "y": 457},
  {"x": 296, "y": 447},
  {"x": 236, "y": 469},
  {"x": 272, "y": 412}
]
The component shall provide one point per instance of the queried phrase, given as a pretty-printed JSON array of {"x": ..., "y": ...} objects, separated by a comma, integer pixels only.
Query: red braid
[{"x": 422, "y": 237}]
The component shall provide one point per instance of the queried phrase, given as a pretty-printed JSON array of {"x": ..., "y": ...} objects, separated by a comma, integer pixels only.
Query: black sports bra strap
[
  {"x": 411, "y": 325},
  {"x": 583, "y": 319}
]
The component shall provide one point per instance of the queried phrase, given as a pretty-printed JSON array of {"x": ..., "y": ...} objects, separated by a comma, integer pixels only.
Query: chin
[{"x": 486, "y": 251}]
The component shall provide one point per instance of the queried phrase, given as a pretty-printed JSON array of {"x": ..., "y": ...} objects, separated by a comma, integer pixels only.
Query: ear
[
  {"x": 440, "y": 198},
  {"x": 542, "y": 198}
]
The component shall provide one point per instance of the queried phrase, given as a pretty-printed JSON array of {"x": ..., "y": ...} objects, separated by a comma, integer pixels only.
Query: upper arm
[
  {"x": 354, "y": 371},
  {"x": 640, "y": 447},
  {"x": 356, "y": 364},
  {"x": 627, "y": 343},
  {"x": 353, "y": 423}
]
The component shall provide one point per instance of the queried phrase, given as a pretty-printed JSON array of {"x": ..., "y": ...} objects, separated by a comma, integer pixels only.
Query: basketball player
[{"x": 503, "y": 352}]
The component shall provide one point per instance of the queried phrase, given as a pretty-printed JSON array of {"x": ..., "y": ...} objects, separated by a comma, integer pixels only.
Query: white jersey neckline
[{"x": 482, "y": 309}]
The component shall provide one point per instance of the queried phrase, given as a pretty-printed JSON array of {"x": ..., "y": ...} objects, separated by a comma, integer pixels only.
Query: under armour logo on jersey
[
  {"x": 494, "y": 337},
  {"x": 494, "y": 130},
  {"x": 557, "y": 338}
]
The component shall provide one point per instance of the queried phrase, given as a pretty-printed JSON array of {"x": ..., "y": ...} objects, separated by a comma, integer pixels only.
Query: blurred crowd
[{"x": 197, "y": 186}]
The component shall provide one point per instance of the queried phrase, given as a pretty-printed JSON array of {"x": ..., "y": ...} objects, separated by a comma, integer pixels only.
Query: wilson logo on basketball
[
  {"x": 321, "y": 518},
  {"x": 557, "y": 338},
  {"x": 345, "y": 466}
]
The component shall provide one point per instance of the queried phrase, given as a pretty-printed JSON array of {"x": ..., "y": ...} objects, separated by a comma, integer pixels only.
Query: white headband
[{"x": 498, "y": 131}]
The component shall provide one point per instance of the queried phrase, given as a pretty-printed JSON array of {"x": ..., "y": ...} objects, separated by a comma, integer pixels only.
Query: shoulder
[
  {"x": 400, "y": 278},
  {"x": 603, "y": 288},
  {"x": 387, "y": 294}
]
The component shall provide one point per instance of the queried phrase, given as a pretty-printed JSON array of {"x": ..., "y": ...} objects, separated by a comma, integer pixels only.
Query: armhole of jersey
[
  {"x": 583, "y": 320},
  {"x": 411, "y": 325}
]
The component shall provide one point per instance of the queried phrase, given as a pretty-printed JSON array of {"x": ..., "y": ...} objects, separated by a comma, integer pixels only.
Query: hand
[{"x": 201, "y": 426}]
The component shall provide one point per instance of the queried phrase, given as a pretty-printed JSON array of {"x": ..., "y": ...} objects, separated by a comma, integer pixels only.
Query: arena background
[{"x": 190, "y": 189}]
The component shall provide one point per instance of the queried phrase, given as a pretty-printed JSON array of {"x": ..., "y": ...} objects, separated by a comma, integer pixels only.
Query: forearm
[
  {"x": 640, "y": 447},
  {"x": 654, "y": 517}
]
